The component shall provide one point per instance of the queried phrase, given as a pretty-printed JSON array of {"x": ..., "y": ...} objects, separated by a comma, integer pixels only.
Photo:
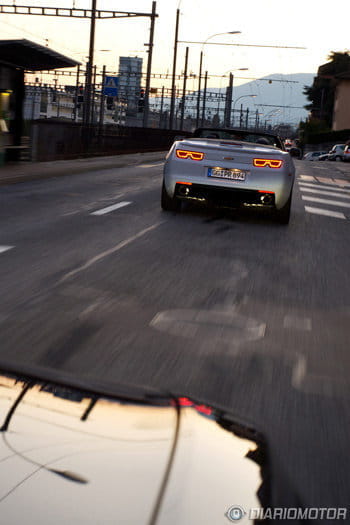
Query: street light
[
  {"x": 234, "y": 103},
  {"x": 200, "y": 70},
  {"x": 173, "y": 86}
]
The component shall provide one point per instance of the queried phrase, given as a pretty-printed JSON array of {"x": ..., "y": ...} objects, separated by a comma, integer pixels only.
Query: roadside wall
[{"x": 58, "y": 140}]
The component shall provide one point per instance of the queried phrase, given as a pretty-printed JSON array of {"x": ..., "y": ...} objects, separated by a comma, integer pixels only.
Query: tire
[
  {"x": 283, "y": 215},
  {"x": 338, "y": 159},
  {"x": 169, "y": 203}
]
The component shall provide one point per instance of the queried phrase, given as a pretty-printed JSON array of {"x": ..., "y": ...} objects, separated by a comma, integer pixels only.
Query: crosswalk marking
[
  {"x": 328, "y": 213},
  {"x": 326, "y": 201},
  {"x": 342, "y": 182},
  {"x": 306, "y": 177},
  {"x": 322, "y": 192},
  {"x": 320, "y": 188},
  {"x": 323, "y": 186}
]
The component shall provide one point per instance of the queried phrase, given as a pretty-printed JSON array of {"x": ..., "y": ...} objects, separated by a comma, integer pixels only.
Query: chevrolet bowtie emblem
[{"x": 228, "y": 158}]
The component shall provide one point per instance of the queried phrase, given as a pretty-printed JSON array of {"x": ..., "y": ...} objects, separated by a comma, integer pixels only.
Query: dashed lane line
[
  {"x": 111, "y": 208},
  {"x": 4, "y": 249}
]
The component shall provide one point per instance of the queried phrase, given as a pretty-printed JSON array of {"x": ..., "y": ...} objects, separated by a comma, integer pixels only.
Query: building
[
  {"x": 341, "y": 112},
  {"x": 16, "y": 57},
  {"x": 130, "y": 82}
]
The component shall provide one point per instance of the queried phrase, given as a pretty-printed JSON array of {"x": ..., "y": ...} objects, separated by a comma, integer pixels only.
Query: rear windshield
[{"x": 237, "y": 134}]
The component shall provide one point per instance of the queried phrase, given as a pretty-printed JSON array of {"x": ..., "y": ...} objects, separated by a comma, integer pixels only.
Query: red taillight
[
  {"x": 270, "y": 163},
  {"x": 193, "y": 155}
]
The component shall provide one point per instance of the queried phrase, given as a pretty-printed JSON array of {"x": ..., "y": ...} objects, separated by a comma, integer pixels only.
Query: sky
[{"x": 301, "y": 23}]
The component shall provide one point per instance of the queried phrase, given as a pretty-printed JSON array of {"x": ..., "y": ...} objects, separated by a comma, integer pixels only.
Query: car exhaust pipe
[
  {"x": 266, "y": 198},
  {"x": 184, "y": 191}
]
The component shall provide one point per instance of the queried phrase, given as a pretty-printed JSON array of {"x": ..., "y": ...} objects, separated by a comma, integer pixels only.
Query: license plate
[{"x": 227, "y": 173}]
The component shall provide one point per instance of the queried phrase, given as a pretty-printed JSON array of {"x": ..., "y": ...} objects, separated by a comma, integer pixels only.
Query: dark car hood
[{"x": 68, "y": 456}]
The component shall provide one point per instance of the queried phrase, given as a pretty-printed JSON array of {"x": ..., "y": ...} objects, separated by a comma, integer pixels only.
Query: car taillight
[
  {"x": 193, "y": 155},
  {"x": 270, "y": 163}
]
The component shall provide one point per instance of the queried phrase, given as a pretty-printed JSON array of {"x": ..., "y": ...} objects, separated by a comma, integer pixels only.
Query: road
[{"x": 231, "y": 309}]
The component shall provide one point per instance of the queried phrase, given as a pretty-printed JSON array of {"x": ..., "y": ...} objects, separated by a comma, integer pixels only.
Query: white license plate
[{"x": 227, "y": 173}]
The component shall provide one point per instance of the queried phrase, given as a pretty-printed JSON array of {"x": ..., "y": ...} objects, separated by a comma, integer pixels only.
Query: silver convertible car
[{"x": 230, "y": 168}]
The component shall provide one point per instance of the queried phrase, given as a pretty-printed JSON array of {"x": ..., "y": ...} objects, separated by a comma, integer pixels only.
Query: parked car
[
  {"x": 346, "y": 154},
  {"x": 230, "y": 168},
  {"x": 336, "y": 153},
  {"x": 313, "y": 155},
  {"x": 324, "y": 156}
]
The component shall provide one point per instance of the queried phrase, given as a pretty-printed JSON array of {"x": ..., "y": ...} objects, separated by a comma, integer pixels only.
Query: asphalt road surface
[{"x": 228, "y": 308}]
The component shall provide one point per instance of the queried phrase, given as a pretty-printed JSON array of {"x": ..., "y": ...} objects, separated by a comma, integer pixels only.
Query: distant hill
[
  {"x": 277, "y": 93},
  {"x": 273, "y": 96}
]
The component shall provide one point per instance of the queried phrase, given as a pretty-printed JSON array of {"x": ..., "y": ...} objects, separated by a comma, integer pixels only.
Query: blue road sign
[{"x": 110, "y": 89}]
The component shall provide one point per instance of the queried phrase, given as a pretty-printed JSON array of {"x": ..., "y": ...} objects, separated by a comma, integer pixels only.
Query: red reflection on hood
[{"x": 186, "y": 402}]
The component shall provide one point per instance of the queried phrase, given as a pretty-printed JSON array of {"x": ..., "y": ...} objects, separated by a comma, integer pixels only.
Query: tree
[{"x": 321, "y": 93}]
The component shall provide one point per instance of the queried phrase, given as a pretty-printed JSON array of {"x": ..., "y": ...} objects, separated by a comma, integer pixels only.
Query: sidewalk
[{"x": 28, "y": 171}]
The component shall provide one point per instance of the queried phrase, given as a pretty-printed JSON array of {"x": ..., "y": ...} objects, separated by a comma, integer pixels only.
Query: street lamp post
[
  {"x": 200, "y": 69},
  {"x": 173, "y": 86}
]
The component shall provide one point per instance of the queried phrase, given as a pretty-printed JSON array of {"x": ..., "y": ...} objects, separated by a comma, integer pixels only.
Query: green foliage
[{"x": 321, "y": 93}]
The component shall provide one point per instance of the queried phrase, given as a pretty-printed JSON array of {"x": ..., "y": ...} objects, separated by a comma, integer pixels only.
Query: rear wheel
[
  {"x": 338, "y": 159},
  {"x": 169, "y": 203},
  {"x": 283, "y": 215}
]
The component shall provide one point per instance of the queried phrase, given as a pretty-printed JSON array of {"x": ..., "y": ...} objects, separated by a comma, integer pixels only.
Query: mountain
[{"x": 279, "y": 97}]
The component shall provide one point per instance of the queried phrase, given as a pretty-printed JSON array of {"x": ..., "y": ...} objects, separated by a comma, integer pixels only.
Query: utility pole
[
  {"x": 89, "y": 69},
  {"x": 161, "y": 109},
  {"x": 102, "y": 102},
  {"x": 173, "y": 86},
  {"x": 241, "y": 117},
  {"x": 199, "y": 89},
  {"x": 184, "y": 91},
  {"x": 228, "y": 103},
  {"x": 204, "y": 97},
  {"x": 149, "y": 66}
]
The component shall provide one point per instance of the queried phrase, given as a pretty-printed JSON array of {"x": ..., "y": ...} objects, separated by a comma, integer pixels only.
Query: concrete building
[
  {"x": 341, "y": 113},
  {"x": 130, "y": 74}
]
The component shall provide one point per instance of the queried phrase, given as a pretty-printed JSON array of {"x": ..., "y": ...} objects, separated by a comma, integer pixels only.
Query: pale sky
[{"x": 302, "y": 23}]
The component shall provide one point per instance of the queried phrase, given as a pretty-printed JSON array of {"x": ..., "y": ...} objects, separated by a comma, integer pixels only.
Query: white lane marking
[
  {"x": 111, "y": 208},
  {"x": 328, "y": 213},
  {"x": 342, "y": 182},
  {"x": 326, "y": 201},
  {"x": 299, "y": 371},
  {"x": 306, "y": 177},
  {"x": 321, "y": 192},
  {"x": 150, "y": 165},
  {"x": 323, "y": 186},
  {"x": 5, "y": 248},
  {"x": 104, "y": 254},
  {"x": 297, "y": 323}
]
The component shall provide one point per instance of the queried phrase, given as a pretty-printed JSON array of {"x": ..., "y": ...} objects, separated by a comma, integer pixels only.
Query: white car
[
  {"x": 230, "y": 168},
  {"x": 313, "y": 155}
]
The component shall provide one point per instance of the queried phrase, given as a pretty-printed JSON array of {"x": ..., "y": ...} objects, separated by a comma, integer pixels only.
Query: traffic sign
[{"x": 110, "y": 87}]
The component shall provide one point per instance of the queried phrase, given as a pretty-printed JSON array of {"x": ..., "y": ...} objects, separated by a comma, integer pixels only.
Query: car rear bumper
[{"x": 225, "y": 197}]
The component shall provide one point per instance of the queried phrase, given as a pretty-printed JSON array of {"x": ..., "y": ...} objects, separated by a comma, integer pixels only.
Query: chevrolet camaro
[{"x": 229, "y": 168}]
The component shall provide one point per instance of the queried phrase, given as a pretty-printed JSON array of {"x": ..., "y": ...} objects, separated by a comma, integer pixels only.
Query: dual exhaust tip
[{"x": 266, "y": 199}]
